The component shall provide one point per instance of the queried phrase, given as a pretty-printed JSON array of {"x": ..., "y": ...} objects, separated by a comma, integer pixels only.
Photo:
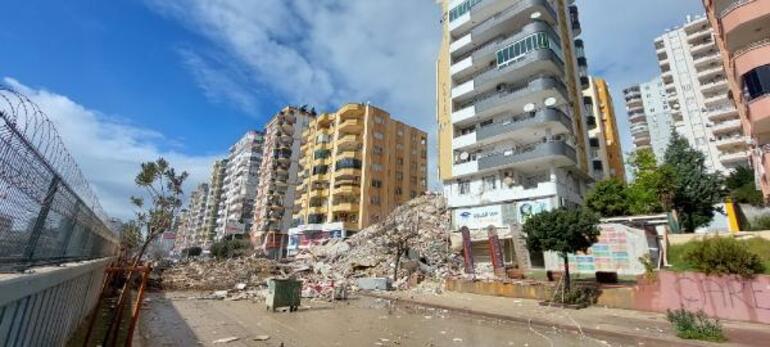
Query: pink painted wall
[{"x": 726, "y": 297}]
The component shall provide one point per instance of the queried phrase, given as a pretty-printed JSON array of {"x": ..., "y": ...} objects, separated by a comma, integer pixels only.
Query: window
[
  {"x": 464, "y": 186},
  {"x": 377, "y": 167},
  {"x": 399, "y": 146},
  {"x": 376, "y": 183},
  {"x": 378, "y": 135},
  {"x": 375, "y": 200},
  {"x": 400, "y": 161},
  {"x": 490, "y": 182},
  {"x": 377, "y": 150},
  {"x": 378, "y": 120},
  {"x": 400, "y": 132},
  {"x": 756, "y": 83},
  {"x": 461, "y": 9},
  {"x": 517, "y": 50},
  {"x": 399, "y": 175},
  {"x": 486, "y": 123},
  {"x": 322, "y": 153},
  {"x": 320, "y": 169},
  {"x": 347, "y": 163},
  {"x": 398, "y": 191}
]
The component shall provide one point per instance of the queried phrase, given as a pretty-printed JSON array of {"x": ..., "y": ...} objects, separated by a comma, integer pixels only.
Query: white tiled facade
[{"x": 240, "y": 186}]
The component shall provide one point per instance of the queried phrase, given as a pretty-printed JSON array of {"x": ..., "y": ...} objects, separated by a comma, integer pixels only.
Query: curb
[{"x": 542, "y": 323}]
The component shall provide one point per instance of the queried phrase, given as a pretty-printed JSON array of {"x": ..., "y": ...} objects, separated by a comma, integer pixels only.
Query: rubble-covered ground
[{"x": 419, "y": 230}]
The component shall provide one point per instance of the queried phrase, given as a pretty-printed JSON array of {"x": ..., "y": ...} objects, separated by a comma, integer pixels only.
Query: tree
[
  {"x": 562, "y": 231},
  {"x": 130, "y": 237},
  {"x": 609, "y": 198},
  {"x": 695, "y": 191},
  {"x": 741, "y": 187},
  {"x": 651, "y": 190}
]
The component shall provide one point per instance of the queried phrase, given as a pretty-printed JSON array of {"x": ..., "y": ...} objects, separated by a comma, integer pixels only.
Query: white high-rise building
[
  {"x": 512, "y": 128},
  {"x": 649, "y": 116},
  {"x": 698, "y": 94},
  {"x": 240, "y": 186}
]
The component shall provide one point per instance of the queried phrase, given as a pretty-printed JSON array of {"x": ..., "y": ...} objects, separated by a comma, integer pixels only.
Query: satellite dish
[
  {"x": 529, "y": 107},
  {"x": 535, "y": 15},
  {"x": 464, "y": 156},
  {"x": 550, "y": 101},
  {"x": 508, "y": 181}
]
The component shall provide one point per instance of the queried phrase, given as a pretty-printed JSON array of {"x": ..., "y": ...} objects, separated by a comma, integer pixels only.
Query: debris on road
[
  {"x": 227, "y": 340},
  {"x": 262, "y": 338}
]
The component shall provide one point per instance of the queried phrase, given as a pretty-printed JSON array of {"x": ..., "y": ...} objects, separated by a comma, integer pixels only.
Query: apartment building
[
  {"x": 742, "y": 34},
  {"x": 512, "y": 129},
  {"x": 183, "y": 231},
  {"x": 214, "y": 198},
  {"x": 278, "y": 179},
  {"x": 197, "y": 209},
  {"x": 356, "y": 166},
  {"x": 649, "y": 116},
  {"x": 697, "y": 94},
  {"x": 603, "y": 140},
  {"x": 239, "y": 186}
]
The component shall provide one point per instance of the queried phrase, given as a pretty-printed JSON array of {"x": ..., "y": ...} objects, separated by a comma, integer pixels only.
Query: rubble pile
[
  {"x": 214, "y": 274},
  {"x": 420, "y": 227}
]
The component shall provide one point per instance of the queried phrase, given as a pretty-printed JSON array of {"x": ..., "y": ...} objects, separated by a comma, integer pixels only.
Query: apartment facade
[
  {"x": 214, "y": 198},
  {"x": 603, "y": 137},
  {"x": 356, "y": 166},
  {"x": 649, "y": 116},
  {"x": 697, "y": 94},
  {"x": 512, "y": 129},
  {"x": 239, "y": 186},
  {"x": 197, "y": 208},
  {"x": 742, "y": 34},
  {"x": 278, "y": 179}
]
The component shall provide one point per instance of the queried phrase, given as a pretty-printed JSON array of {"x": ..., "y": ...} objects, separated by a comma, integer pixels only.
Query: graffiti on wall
[{"x": 726, "y": 297}]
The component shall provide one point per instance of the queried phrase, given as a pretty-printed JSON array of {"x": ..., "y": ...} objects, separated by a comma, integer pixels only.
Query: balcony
[
  {"x": 711, "y": 72},
  {"x": 351, "y": 125},
  {"x": 730, "y": 159},
  {"x": 349, "y": 111},
  {"x": 347, "y": 189},
  {"x": 721, "y": 112},
  {"x": 536, "y": 92},
  {"x": 708, "y": 59},
  {"x": 345, "y": 207},
  {"x": 642, "y": 140},
  {"x": 639, "y": 129},
  {"x": 348, "y": 141},
  {"x": 744, "y": 21},
  {"x": 726, "y": 143},
  {"x": 715, "y": 100},
  {"x": 517, "y": 127},
  {"x": 552, "y": 153},
  {"x": 465, "y": 168},
  {"x": 718, "y": 86},
  {"x": 727, "y": 126},
  {"x": 638, "y": 117},
  {"x": 480, "y": 17}
]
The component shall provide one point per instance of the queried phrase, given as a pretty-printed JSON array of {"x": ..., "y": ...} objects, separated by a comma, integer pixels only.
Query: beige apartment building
[
  {"x": 742, "y": 35},
  {"x": 278, "y": 179},
  {"x": 356, "y": 166}
]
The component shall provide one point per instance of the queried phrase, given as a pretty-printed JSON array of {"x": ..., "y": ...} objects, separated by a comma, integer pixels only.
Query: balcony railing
[
  {"x": 526, "y": 152},
  {"x": 524, "y": 121},
  {"x": 733, "y": 6}
]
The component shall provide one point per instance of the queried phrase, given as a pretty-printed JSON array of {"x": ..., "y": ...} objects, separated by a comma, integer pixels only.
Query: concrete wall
[{"x": 45, "y": 307}]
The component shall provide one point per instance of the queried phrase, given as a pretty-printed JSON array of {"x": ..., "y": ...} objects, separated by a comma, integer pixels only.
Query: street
[{"x": 179, "y": 319}]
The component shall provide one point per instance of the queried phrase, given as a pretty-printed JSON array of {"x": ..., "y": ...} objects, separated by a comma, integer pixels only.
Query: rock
[
  {"x": 219, "y": 294},
  {"x": 227, "y": 339},
  {"x": 457, "y": 339},
  {"x": 240, "y": 286},
  {"x": 373, "y": 283},
  {"x": 262, "y": 338}
]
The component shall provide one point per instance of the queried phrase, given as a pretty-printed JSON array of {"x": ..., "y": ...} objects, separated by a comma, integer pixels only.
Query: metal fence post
[
  {"x": 70, "y": 230},
  {"x": 37, "y": 229}
]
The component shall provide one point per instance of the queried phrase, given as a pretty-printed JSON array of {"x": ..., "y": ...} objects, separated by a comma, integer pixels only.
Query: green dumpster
[{"x": 283, "y": 293}]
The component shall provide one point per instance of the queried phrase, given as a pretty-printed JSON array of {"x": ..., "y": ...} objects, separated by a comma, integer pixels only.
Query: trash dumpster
[{"x": 283, "y": 293}]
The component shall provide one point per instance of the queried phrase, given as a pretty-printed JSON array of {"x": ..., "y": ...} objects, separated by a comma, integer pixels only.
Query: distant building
[
  {"x": 214, "y": 199},
  {"x": 236, "y": 208},
  {"x": 603, "y": 138},
  {"x": 650, "y": 116},
  {"x": 742, "y": 34},
  {"x": 357, "y": 165},
  {"x": 278, "y": 179}
]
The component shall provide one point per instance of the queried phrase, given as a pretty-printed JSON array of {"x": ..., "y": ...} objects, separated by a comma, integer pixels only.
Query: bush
[
  {"x": 723, "y": 256},
  {"x": 579, "y": 295},
  {"x": 696, "y": 326},
  {"x": 760, "y": 223},
  {"x": 230, "y": 248}
]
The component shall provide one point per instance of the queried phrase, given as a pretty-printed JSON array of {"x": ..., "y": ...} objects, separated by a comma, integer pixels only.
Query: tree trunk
[{"x": 566, "y": 274}]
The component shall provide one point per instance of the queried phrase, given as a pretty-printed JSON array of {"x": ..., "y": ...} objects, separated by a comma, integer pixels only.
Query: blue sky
[{"x": 127, "y": 81}]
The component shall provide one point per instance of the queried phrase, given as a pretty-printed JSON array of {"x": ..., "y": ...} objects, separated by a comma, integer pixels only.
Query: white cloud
[
  {"x": 320, "y": 52},
  {"x": 109, "y": 150}
]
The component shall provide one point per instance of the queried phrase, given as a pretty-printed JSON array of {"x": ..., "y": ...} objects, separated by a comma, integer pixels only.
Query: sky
[{"x": 127, "y": 81}]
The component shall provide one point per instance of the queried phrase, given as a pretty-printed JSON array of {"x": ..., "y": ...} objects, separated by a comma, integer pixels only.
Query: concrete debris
[
  {"x": 227, "y": 339},
  {"x": 262, "y": 338},
  {"x": 418, "y": 230}
]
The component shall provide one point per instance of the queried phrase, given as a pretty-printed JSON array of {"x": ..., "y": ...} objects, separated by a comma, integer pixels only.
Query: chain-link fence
[{"x": 48, "y": 212}]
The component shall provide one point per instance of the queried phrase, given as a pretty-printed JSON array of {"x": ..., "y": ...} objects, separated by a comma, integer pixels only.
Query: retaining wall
[{"x": 45, "y": 307}]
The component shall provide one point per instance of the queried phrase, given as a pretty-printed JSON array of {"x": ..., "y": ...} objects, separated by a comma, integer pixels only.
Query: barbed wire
[{"x": 25, "y": 118}]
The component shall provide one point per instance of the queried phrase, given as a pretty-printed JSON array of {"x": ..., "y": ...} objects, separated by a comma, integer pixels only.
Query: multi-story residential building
[
  {"x": 214, "y": 198},
  {"x": 697, "y": 90},
  {"x": 239, "y": 187},
  {"x": 649, "y": 116},
  {"x": 197, "y": 209},
  {"x": 183, "y": 230},
  {"x": 512, "y": 130},
  {"x": 603, "y": 139},
  {"x": 742, "y": 34},
  {"x": 357, "y": 165},
  {"x": 278, "y": 180}
]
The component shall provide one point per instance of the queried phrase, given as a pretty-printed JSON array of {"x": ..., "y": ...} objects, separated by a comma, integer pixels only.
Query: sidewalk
[{"x": 640, "y": 327}]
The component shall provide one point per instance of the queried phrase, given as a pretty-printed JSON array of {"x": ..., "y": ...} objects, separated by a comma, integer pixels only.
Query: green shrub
[
  {"x": 230, "y": 248},
  {"x": 760, "y": 223},
  {"x": 723, "y": 256},
  {"x": 579, "y": 295},
  {"x": 696, "y": 326}
]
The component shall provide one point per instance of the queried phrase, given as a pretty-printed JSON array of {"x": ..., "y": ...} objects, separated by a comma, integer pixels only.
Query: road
[{"x": 179, "y": 319}]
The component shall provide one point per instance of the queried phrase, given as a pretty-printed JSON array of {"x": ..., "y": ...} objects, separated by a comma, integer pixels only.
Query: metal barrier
[{"x": 48, "y": 212}]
